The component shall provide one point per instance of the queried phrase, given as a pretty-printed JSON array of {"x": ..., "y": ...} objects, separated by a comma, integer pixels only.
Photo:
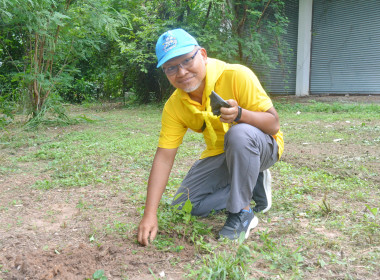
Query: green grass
[
  {"x": 324, "y": 222},
  {"x": 322, "y": 107},
  {"x": 348, "y": 122}
]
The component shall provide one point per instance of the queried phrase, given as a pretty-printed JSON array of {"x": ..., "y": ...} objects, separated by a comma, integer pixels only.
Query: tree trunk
[{"x": 240, "y": 28}]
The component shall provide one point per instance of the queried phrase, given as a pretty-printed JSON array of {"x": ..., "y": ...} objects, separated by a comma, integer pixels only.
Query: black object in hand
[{"x": 216, "y": 103}]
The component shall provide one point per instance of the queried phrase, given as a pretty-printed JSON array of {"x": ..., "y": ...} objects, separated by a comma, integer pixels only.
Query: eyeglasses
[{"x": 187, "y": 63}]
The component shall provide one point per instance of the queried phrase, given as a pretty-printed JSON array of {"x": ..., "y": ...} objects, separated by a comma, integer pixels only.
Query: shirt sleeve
[
  {"x": 172, "y": 129},
  {"x": 249, "y": 92}
]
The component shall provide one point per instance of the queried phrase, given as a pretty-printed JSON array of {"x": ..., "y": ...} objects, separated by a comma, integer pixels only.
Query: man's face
[{"x": 188, "y": 78}]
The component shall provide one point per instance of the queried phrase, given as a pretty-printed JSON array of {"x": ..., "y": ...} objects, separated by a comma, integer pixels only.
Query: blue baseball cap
[{"x": 174, "y": 43}]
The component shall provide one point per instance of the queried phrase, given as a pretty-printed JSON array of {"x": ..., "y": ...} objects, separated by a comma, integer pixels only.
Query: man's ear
[{"x": 204, "y": 55}]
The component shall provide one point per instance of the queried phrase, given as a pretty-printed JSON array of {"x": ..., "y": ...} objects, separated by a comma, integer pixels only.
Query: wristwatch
[{"x": 238, "y": 115}]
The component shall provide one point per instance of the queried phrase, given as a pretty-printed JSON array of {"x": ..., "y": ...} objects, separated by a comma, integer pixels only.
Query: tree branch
[
  {"x": 262, "y": 14},
  {"x": 59, "y": 72},
  {"x": 240, "y": 29},
  {"x": 36, "y": 93},
  {"x": 207, "y": 15}
]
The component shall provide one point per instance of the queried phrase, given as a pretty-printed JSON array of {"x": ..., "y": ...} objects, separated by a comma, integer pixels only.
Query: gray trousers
[{"x": 226, "y": 181}]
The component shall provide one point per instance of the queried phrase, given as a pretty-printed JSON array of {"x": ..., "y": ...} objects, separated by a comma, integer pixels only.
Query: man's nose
[{"x": 181, "y": 70}]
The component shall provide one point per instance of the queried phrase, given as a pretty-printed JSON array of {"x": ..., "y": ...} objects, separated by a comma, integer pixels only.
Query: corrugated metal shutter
[
  {"x": 345, "y": 54},
  {"x": 282, "y": 79}
]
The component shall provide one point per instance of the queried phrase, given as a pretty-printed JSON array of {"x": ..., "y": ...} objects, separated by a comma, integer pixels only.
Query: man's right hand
[
  {"x": 158, "y": 178},
  {"x": 147, "y": 230}
]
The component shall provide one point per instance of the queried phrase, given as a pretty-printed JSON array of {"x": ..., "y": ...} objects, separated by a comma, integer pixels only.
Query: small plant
[
  {"x": 164, "y": 243},
  {"x": 279, "y": 256},
  {"x": 181, "y": 222},
  {"x": 372, "y": 225},
  {"x": 2, "y": 270},
  {"x": 7, "y": 110},
  {"x": 99, "y": 275},
  {"x": 52, "y": 113},
  {"x": 325, "y": 206},
  {"x": 232, "y": 265},
  {"x": 43, "y": 185},
  {"x": 178, "y": 223},
  {"x": 201, "y": 245},
  {"x": 373, "y": 210}
]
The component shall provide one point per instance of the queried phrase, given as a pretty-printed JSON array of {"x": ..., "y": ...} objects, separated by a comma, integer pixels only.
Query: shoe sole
[
  {"x": 268, "y": 189},
  {"x": 252, "y": 225}
]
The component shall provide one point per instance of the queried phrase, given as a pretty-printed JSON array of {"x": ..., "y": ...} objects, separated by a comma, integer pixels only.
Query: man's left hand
[{"x": 228, "y": 115}]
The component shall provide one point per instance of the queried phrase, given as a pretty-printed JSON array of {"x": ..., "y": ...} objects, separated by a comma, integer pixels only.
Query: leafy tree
[
  {"x": 53, "y": 35},
  {"x": 82, "y": 49},
  {"x": 235, "y": 31}
]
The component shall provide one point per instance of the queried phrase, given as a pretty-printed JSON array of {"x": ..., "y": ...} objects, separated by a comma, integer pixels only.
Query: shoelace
[{"x": 234, "y": 219}]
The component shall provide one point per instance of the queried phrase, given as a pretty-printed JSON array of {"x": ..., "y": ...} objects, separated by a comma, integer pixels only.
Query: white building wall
[{"x": 304, "y": 47}]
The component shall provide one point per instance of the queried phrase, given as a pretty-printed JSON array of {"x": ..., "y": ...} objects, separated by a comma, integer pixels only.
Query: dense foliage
[{"x": 89, "y": 50}]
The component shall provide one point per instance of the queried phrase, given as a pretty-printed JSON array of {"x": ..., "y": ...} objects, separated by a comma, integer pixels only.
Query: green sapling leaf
[{"x": 187, "y": 207}]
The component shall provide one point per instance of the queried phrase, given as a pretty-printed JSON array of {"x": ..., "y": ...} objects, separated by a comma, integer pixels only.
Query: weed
[
  {"x": 372, "y": 224},
  {"x": 119, "y": 228},
  {"x": 16, "y": 202},
  {"x": 181, "y": 222},
  {"x": 99, "y": 275},
  {"x": 166, "y": 243},
  {"x": 232, "y": 264},
  {"x": 154, "y": 275},
  {"x": 325, "y": 206},
  {"x": 52, "y": 113},
  {"x": 280, "y": 257},
  {"x": 2, "y": 269},
  {"x": 43, "y": 185},
  {"x": 201, "y": 245},
  {"x": 84, "y": 205}
]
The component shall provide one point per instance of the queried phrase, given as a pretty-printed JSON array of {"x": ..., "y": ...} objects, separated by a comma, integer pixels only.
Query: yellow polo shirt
[{"x": 230, "y": 81}]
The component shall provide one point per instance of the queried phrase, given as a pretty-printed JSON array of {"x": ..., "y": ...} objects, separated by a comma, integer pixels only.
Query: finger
[
  {"x": 228, "y": 116},
  {"x": 143, "y": 236},
  {"x": 153, "y": 234},
  {"x": 144, "y": 240},
  {"x": 232, "y": 114},
  {"x": 226, "y": 120},
  {"x": 232, "y": 102},
  {"x": 224, "y": 110},
  {"x": 140, "y": 236},
  {"x": 228, "y": 112}
]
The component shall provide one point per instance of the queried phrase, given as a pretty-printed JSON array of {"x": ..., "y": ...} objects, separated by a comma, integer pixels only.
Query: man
[{"x": 242, "y": 143}]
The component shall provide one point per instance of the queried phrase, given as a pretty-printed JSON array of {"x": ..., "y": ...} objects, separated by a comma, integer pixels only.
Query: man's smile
[{"x": 186, "y": 80}]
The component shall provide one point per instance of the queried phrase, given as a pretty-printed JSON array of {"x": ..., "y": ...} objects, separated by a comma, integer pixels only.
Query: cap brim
[{"x": 174, "y": 53}]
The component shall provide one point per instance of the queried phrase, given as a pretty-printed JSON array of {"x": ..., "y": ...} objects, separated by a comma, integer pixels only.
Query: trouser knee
[{"x": 241, "y": 136}]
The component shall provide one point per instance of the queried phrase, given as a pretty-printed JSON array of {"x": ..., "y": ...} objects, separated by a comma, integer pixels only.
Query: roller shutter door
[
  {"x": 345, "y": 56},
  {"x": 282, "y": 79}
]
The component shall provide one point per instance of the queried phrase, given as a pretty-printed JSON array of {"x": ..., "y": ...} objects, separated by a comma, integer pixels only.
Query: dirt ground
[{"x": 50, "y": 236}]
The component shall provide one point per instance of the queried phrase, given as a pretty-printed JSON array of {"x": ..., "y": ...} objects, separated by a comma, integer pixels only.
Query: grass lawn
[{"x": 71, "y": 198}]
